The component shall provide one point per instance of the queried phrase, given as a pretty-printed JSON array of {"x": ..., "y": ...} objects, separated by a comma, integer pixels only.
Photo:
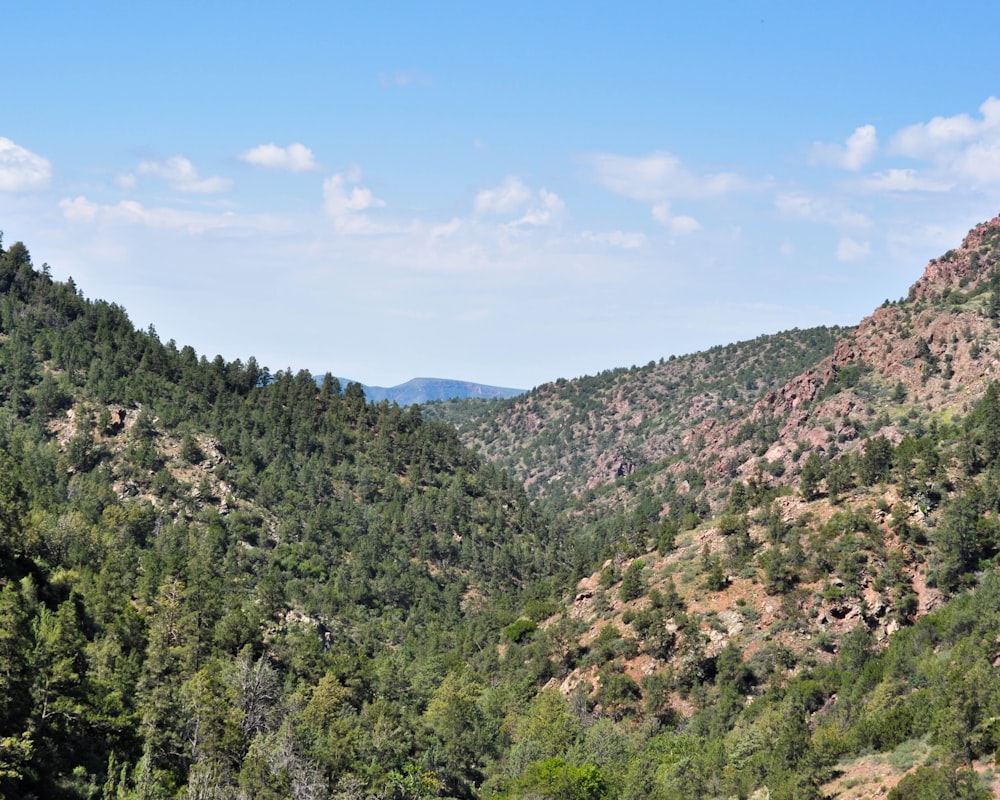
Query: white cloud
[
  {"x": 345, "y": 200},
  {"x": 510, "y": 196},
  {"x": 125, "y": 180},
  {"x": 20, "y": 169},
  {"x": 792, "y": 204},
  {"x": 903, "y": 180},
  {"x": 637, "y": 178},
  {"x": 182, "y": 175},
  {"x": 339, "y": 198},
  {"x": 675, "y": 224},
  {"x": 622, "y": 239},
  {"x": 294, "y": 158},
  {"x": 857, "y": 151},
  {"x": 79, "y": 209},
  {"x": 513, "y": 196},
  {"x": 799, "y": 206},
  {"x": 860, "y": 148},
  {"x": 549, "y": 206},
  {"x": 980, "y": 161},
  {"x": 944, "y": 135},
  {"x": 446, "y": 229},
  {"x": 960, "y": 146},
  {"x": 851, "y": 250},
  {"x": 659, "y": 176},
  {"x": 909, "y": 241},
  {"x": 130, "y": 212},
  {"x": 684, "y": 224},
  {"x": 787, "y": 249}
]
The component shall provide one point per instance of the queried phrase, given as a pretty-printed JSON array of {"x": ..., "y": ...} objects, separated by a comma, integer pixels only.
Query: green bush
[{"x": 520, "y": 630}]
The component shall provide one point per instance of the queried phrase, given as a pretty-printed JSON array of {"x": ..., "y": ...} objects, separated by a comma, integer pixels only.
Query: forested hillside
[
  {"x": 217, "y": 577},
  {"x": 219, "y": 582},
  {"x": 566, "y": 437}
]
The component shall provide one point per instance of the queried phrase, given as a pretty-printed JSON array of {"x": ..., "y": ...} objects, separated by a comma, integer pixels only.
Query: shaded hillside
[{"x": 565, "y": 437}]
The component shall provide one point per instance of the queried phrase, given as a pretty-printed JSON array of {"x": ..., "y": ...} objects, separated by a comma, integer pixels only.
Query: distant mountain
[{"x": 426, "y": 390}]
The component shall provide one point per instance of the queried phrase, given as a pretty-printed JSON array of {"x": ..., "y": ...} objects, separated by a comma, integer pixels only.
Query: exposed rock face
[
  {"x": 934, "y": 351},
  {"x": 569, "y": 437},
  {"x": 964, "y": 266}
]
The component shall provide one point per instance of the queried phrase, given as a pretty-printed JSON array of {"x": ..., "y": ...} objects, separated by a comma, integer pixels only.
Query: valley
[{"x": 765, "y": 570}]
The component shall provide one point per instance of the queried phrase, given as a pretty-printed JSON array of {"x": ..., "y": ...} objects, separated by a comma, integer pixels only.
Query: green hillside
[
  {"x": 212, "y": 573},
  {"x": 218, "y": 582}
]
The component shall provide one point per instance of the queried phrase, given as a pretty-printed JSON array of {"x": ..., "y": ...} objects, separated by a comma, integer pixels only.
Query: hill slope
[
  {"x": 569, "y": 436},
  {"x": 858, "y": 498},
  {"x": 216, "y": 582},
  {"x": 216, "y": 578}
]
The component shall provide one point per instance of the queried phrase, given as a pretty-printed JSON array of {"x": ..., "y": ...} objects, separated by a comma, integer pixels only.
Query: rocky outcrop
[
  {"x": 932, "y": 355},
  {"x": 964, "y": 267}
]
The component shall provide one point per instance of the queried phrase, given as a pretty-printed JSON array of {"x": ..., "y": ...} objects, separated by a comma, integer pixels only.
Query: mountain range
[
  {"x": 768, "y": 570},
  {"x": 428, "y": 390}
]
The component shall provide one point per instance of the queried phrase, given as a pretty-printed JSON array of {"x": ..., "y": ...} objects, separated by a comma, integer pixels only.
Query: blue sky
[{"x": 501, "y": 192}]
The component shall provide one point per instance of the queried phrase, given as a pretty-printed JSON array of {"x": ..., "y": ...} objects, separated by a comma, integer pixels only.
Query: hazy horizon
[{"x": 501, "y": 195}]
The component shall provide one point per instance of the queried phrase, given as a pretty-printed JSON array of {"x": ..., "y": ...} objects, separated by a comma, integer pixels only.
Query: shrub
[{"x": 520, "y": 630}]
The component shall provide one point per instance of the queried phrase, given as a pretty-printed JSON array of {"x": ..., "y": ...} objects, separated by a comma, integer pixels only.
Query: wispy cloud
[
  {"x": 946, "y": 135},
  {"x": 345, "y": 202},
  {"x": 679, "y": 224},
  {"x": 513, "y": 196},
  {"x": 659, "y": 179},
  {"x": 510, "y": 196},
  {"x": 622, "y": 239},
  {"x": 903, "y": 180},
  {"x": 183, "y": 176},
  {"x": 129, "y": 212},
  {"x": 445, "y": 229},
  {"x": 78, "y": 209},
  {"x": 21, "y": 170},
  {"x": 659, "y": 176},
  {"x": 543, "y": 210},
  {"x": 294, "y": 158},
  {"x": 343, "y": 194},
  {"x": 857, "y": 151},
  {"x": 796, "y": 205},
  {"x": 852, "y": 250}
]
